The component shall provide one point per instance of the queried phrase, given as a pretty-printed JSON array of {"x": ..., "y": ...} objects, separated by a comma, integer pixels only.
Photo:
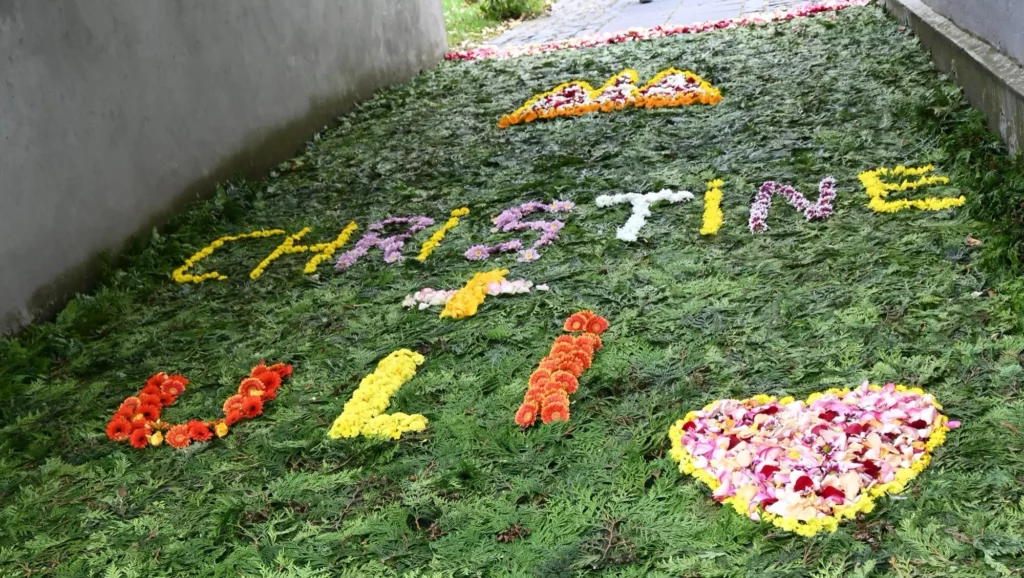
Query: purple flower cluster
[
  {"x": 512, "y": 220},
  {"x": 822, "y": 209},
  {"x": 392, "y": 246}
]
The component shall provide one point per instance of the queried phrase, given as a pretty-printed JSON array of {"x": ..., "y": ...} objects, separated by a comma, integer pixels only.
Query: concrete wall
[
  {"x": 115, "y": 112},
  {"x": 992, "y": 80},
  {"x": 998, "y": 22}
]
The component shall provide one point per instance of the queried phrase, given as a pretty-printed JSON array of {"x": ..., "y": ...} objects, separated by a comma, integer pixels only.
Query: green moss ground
[{"x": 798, "y": 309}]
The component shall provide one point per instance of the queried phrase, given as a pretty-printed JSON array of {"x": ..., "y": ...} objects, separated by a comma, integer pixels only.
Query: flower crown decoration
[
  {"x": 137, "y": 421},
  {"x": 670, "y": 87}
]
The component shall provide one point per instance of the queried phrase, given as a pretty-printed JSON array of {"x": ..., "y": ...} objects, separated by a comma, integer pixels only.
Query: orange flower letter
[{"x": 558, "y": 374}]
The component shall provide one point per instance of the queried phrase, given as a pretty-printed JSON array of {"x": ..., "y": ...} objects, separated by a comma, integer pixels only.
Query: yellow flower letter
[
  {"x": 430, "y": 244},
  {"x": 878, "y": 190},
  {"x": 182, "y": 276},
  {"x": 712, "y": 208},
  {"x": 467, "y": 300},
  {"x": 364, "y": 413},
  {"x": 325, "y": 250}
]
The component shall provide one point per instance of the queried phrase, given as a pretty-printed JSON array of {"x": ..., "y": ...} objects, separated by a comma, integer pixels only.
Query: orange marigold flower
[
  {"x": 233, "y": 403},
  {"x": 178, "y": 436},
  {"x": 540, "y": 377},
  {"x": 566, "y": 381},
  {"x": 252, "y": 406},
  {"x": 157, "y": 379},
  {"x": 139, "y": 438},
  {"x": 578, "y": 321},
  {"x": 251, "y": 386},
  {"x": 597, "y": 325},
  {"x": 199, "y": 431},
  {"x": 234, "y": 416},
  {"x": 149, "y": 412},
  {"x": 526, "y": 415},
  {"x": 555, "y": 412},
  {"x": 119, "y": 429}
]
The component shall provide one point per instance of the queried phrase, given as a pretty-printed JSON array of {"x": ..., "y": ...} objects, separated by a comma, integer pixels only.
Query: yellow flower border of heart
[
  {"x": 865, "y": 503},
  {"x": 877, "y": 189}
]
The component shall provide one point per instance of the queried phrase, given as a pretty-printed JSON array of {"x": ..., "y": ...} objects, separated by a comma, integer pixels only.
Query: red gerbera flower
[
  {"x": 281, "y": 369},
  {"x": 566, "y": 381},
  {"x": 139, "y": 438},
  {"x": 167, "y": 399},
  {"x": 157, "y": 379},
  {"x": 578, "y": 321},
  {"x": 526, "y": 415},
  {"x": 150, "y": 390},
  {"x": 129, "y": 405},
  {"x": 252, "y": 406},
  {"x": 140, "y": 423},
  {"x": 233, "y": 417},
  {"x": 119, "y": 429},
  {"x": 149, "y": 412},
  {"x": 539, "y": 377},
  {"x": 555, "y": 412},
  {"x": 233, "y": 403},
  {"x": 150, "y": 399},
  {"x": 251, "y": 386},
  {"x": 178, "y": 436},
  {"x": 270, "y": 379},
  {"x": 597, "y": 325},
  {"x": 199, "y": 431}
]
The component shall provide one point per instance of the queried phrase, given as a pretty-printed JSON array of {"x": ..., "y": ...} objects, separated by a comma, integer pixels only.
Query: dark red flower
[
  {"x": 828, "y": 415},
  {"x": 803, "y": 483},
  {"x": 199, "y": 431},
  {"x": 833, "y": 494}
]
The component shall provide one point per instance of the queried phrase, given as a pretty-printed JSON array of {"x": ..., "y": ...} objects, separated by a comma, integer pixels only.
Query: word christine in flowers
[
  {"x": 878, "y": 190},
  {"x": 391, "y": 246},
  {"x": 822, "y": 209},
  {"x": 640, "y": 34},
  {"x": 137, "y": 421},
  {"x": 805, "y": 466},
  {"x": 671, "y": 87},
  {"x": 427, "y": 297},
  {"x": 432, "y": 243},
  {"x": 364, "y": 415},
  {"x": 558, "y": 374},
  {"x": 641, "y": 208},
  {"x": 512, "y": 220},
  {"x": 467, "y": 300}
]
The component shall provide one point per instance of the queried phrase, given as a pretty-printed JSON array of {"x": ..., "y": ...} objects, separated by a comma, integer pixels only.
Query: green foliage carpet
[{"x": 803, "y": 307}]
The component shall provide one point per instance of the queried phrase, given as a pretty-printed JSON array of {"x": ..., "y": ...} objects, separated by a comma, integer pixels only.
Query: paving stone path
[{"x": 570, "y": 18}]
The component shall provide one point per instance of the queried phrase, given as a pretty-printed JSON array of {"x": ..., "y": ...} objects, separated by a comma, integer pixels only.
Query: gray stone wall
[
  {"x": 115, "y": 112},
  {"x": 998, "y": 22}
]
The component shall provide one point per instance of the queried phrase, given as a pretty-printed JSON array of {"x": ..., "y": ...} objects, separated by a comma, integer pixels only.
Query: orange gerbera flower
[
  {"x": 149, "y": 412},
  {"x": 597, "y": 325},
  {"x": 150, "y": 390},
  {"x": 281, "y": 369},
  {"x": 565, "y": 339},
  {"x": 578, "y": 321},
  {"x": 252, "y": 406},
  {"x": 270, "y": 379},
  {"x": 566, "y": 381},
  {"x": 178, "y": 436},
  {"x": 539, "y": 377},
  {"x": 150, "y": 399},
  {"x": 119, "y": 429},
  {"x": 157, "y": 379},
  {"x": 129, "y": 405},
  {"x": 555, "y": 412},
  {"x": 251, "y": 386},
  {"x": 551, "y": 363},
  {"x": 199, "y": 431},
  {"x": 572, "y": 365},
  {"x": 139, "y": 438},
  {"x": 563, "y": 349},
  {"x": 140, "y": 423},
  {"x": 167, "y": 399},
  {"x": 233, "y": 417},
  {"x": 534, "y": 395},
  {"x": 591, "y": 340},
  {"x": 173, "y": 386},
  {"x": 526, "y": 415},
  {"x": 233, "y": 403}
]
